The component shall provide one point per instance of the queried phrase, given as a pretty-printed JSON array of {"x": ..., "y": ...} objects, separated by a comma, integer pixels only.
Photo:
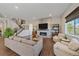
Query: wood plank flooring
[
  {"x": 46, "y": 51},
  {"x": 4, "y": 51},
  {"x": 47, "y": 47}
]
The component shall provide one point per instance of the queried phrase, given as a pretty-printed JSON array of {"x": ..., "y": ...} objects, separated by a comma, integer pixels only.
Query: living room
[{"x": 40, "y": 29}]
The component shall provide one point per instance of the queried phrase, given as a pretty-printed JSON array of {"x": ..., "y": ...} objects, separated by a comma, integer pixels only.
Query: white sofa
[
  {"x": 67, "y": 49},
  {"x": 24, "y": 47},
  {"x": 58, "y": 37},
  {"x": 66, "y": 45}
]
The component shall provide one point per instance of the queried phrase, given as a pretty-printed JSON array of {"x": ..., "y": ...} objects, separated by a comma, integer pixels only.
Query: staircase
[{"x": 17, "y": 22}]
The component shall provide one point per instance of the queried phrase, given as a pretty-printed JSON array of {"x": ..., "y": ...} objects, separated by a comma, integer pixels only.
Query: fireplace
[{"x": 43, "y": 33}]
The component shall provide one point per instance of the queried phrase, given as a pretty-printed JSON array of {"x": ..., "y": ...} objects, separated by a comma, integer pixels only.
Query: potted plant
[{"x": 8, "y": 32}]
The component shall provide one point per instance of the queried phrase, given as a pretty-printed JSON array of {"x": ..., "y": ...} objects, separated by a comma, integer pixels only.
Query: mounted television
[{"x": 43, "y": 26}]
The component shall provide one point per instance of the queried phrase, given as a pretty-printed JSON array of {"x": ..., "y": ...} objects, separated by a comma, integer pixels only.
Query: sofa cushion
[
  {"x": 78, "y": 51},
  {"x": 17, "y": 38},
  {"x": 73, "y": 45},
  {"x": 22, "y": 40},
  {"x": 65, "y": 43},
  {"x": 61, "y": 35},
  {"x": 63, "y": 50},
  {"x": 29, "y": 42},
  {"x": 65, "y": 40},
  {"x": 56, "y": 39}
]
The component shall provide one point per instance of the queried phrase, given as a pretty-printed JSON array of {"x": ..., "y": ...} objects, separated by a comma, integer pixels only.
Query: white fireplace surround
[{"x": 48, "y": 33}]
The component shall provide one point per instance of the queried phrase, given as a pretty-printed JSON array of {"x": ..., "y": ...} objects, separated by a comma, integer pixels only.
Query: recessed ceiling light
[
  {"x": 16, "y": 7},
  {"x": 50, "y": 15}
]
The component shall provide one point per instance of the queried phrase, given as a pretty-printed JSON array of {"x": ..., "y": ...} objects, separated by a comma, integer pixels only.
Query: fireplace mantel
[{"x": 44, "y": 33}]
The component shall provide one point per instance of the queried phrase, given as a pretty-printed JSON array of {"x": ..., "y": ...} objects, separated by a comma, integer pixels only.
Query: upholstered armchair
[
  {"x": 66, "y": 48},
  {"x": 58, "y": 37}
]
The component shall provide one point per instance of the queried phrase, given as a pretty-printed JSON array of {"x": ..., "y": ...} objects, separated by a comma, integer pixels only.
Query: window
[
  {"x": 77, "y": 26},
  {"x": 72, "y": 27},
  {"x": 72, "y": 22},
  {"x": 69, "y": 27}
]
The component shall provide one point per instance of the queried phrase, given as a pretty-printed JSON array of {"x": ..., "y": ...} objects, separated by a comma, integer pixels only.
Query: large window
[
  {"x": 72, "y": 27},
  {"x": 77, "y": 26},
  {"x": 72, "y": 22}
]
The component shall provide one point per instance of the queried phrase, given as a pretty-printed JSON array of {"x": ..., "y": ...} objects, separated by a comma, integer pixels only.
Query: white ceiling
[{"x": 33, "y": 10}]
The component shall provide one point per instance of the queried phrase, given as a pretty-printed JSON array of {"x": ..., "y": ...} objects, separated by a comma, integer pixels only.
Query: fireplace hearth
[{"x": 43, "y": 33}]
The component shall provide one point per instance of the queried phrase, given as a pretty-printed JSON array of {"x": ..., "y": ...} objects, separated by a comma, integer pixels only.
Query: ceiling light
[
  {"x": 16, "y": 7},
  {"x": 50, "y": 15}
]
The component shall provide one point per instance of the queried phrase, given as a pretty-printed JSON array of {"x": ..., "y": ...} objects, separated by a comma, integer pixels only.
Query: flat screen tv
[{"x": 43, "y": 26}]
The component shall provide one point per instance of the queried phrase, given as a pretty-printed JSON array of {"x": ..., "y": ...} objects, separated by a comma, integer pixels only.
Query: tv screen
[{"x": 43, "y": 26}]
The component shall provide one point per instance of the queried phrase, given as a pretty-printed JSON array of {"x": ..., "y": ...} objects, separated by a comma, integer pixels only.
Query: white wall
[
  {"x": 50, "y": 21},
  {"x": 62, "y": 23},
  {"x": 3, "y": 24},
  {"x": 7, "y": 22},
  {"x": 11, "y": 24}
]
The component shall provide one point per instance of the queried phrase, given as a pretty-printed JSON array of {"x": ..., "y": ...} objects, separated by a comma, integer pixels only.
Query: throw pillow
[
  {"x": 29, "y": 42},
  {"x": 73, "y": 46},
  {"x": 65, "y": 43},
  {"x": 17, "y": 38}
]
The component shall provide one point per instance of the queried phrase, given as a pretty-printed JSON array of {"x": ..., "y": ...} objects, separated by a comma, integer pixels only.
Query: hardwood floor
[
  {"x": 47, "y": 47},
  {"x": 4, "y": 51},
  {"x": 46, "y": 51}
]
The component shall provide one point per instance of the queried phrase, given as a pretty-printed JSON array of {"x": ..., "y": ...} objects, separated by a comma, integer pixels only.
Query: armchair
[{"x": 64, "y": 50}]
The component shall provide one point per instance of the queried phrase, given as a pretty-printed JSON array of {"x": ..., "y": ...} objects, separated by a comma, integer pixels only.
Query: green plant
[{"x": 8, "y": 32}]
